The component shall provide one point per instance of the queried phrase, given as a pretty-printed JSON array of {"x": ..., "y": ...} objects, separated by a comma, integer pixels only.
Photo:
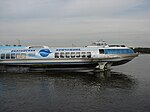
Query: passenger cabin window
[
  {"x": 7, "y": 56},
  {"x": 119, "y": 51},
  {"x": 67, "y": 54},
  {"x": 83, "y": 54},
  {"x": 78, "y": 54},
  {"x": 101, "y": 51},
  {"x": 89, "y": 54},
  {"x": 2, "y": 56},
  {"x": 23, "y": 55},
  {"x": 56, "y": 55},
  {"x": 72, "y": 54},
  {"x": 18, "y": 56},
  {"x": 13, "y": 56},
  {"x": 62, "y": 55},
  {"x": 31, "y": 54}
]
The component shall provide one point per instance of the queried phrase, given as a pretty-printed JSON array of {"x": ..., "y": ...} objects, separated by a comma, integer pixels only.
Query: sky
[{"x": 78, "y": 22}]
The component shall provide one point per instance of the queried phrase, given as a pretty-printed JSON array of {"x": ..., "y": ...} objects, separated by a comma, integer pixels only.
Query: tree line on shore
[{"x": 142, "y": 50}]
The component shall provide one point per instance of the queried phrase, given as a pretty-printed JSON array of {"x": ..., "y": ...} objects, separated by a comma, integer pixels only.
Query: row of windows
[
  {"x": 118, "y": 51},
  {"x": 57, "y": 55},
  {"x": 73, "y": 55},
  {"x": 13, "y": 56}
]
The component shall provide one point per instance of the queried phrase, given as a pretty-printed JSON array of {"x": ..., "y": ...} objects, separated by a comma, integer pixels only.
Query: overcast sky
[{"x": 79, "y": 22}]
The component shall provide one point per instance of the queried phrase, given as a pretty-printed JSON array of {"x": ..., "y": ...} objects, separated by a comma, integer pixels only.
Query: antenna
[{"x": 19, "y": 43}]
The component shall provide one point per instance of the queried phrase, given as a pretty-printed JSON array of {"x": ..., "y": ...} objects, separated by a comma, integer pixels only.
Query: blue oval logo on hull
[{"x": 44, "y": 52}]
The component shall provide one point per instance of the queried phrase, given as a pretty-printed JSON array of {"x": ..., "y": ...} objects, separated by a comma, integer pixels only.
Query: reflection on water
[
  {"x": 100, "y": 79},
  {"x": 61, "y": 91}
]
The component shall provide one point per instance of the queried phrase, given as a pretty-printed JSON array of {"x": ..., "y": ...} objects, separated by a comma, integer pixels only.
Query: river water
[{"x": 125, "y": 89}]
